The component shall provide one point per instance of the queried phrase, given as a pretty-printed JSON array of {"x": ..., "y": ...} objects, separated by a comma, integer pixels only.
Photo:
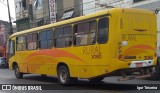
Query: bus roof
[{"x": 108, "y": 11}]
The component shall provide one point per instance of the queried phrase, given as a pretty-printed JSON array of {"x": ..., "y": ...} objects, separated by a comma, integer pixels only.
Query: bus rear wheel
[
  {"x": 156, "y": 74},
  {"x": 64, "y": 76},
  {"x": 18, "y": 74}
]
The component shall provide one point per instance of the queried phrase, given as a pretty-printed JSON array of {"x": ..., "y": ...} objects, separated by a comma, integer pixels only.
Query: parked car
[{"x": 3, "y": 62}]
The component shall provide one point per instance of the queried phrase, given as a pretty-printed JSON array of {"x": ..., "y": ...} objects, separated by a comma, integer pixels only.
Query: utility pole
[{"x": 9, "y": 15}]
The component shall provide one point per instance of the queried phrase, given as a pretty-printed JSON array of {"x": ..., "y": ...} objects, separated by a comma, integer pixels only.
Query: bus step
[{"x": 134, "y": 77}]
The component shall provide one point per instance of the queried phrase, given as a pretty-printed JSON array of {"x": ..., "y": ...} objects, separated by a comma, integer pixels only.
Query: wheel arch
[
  {"x": 62, "y": 64},
  {"x": 14, "y": 64}
]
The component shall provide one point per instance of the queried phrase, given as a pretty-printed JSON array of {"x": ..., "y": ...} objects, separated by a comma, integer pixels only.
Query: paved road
[{"x": 109, "y": 84}]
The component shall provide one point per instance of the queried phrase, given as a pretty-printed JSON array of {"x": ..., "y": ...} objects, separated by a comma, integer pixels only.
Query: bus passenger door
[{"x": 11, "y": 52}]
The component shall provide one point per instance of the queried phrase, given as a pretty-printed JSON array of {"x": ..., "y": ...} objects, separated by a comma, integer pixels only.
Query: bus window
[
  {"x": 50, "y": 38},
  {"x": 46, "y": 39},
  {"x": 21, "y": 43},
  {"x": 103, "y": 29},
  {"x": 32, "y": 40},
  {"x": 43, "y": 40},
  {"x": 92, "y": 34},
  {"x": 63, "y": 37},
  {"x": 68, "y": 36},
  {"x": 85, "y": 33},
  {"x": 59, "y": 42}
]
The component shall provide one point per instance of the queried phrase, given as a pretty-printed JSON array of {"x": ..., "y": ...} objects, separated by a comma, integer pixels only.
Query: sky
[{"x": 4, "y": 10}]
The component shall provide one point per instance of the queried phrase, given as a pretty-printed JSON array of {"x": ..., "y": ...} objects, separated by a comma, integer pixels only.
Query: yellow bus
[{"x": 93, "y": 46}]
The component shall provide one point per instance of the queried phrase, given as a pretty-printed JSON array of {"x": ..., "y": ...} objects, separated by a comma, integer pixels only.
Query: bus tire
[
  {"x": 64, "y": 75},
  {"x": 18, "y": 74},
  {"x": 43, "y": 75},
  {"x": 156, "y": 74},
  {"x": 98, "y": 79}
]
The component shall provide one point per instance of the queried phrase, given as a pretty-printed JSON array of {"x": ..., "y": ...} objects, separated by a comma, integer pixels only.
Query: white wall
[
  {"x": 91, "y": 6},
  {"x": 88, "y": 6}
]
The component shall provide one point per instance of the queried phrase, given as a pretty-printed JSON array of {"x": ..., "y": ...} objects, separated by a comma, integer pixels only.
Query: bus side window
[
  {"x": 63, "y": 36},
  {"x": 81, "y": 33},
  {"x": 21, "y": 43},
  {"x": 43, "y": 40},
  {"x": 85, "y": 33},
  {"x": 35, "y": 40},
  {"x": 103, "y": 30},
  {"x": 92, "y": 34},
  {"x": 32, "y": 41},
  {"x": 75, "y": 34},
  {"x": 58, "y": 37},
  {"x": 50, "y": 36},
  {"x": 68, "y": 35}
]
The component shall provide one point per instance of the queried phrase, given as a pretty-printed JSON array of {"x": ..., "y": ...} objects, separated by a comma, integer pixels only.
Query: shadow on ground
[{"x": 52, "y": 83}]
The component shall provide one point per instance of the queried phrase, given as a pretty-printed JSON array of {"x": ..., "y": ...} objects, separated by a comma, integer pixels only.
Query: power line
[
  {"x": 72, "y": 7},
  {"x": 6, "y": 6},
  {"x": 91, "y": 9},
  {"x": 69, "y": 7}
]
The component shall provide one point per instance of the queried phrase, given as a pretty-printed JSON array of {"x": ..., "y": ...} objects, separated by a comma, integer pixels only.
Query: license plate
[{"x": 139, "y": 64}]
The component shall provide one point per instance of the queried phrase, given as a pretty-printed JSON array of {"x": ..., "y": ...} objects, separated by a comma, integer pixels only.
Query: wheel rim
[{"x": 63, "y": 76}]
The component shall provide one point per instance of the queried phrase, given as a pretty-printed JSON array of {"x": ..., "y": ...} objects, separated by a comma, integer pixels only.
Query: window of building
[
  {"x": 24, "y": 4},
  {"x": 63, "y": 37},
  {"x": 20, "y": 4},
  {"x": 43, "y": 40},
  {"x": 32, "y": 41},
  {"x": 21, "y": 43},
  {"x": 46, "y": 39},
  {"x": 38, "y": 4},
  {"x": 85, "y": 33},
  {"x": 103, "y": 30},
  {"x": 69, "y": 5},
  {"x": 135, "y": 1}
]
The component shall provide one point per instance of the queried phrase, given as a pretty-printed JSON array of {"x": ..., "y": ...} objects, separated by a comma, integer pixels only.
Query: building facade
[
  {"x": 96, "y": 5},
  {"x": 40, "y": 13},
  {"x": 34, "y": 13},
  {"x": 68, "y": 9},
  {"x": 22, "y": 14},
  {"x": 4, "y": 34}
]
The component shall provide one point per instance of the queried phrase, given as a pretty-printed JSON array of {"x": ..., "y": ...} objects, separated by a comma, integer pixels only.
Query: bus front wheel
[
  {"x": 18, "y": 74},
  {"x": 63, "y": 75}
]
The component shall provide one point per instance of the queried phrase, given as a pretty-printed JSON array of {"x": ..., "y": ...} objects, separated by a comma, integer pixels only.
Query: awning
[
  {"x": 25, "y": 18},
  {"x": 68, "y": 15}
]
